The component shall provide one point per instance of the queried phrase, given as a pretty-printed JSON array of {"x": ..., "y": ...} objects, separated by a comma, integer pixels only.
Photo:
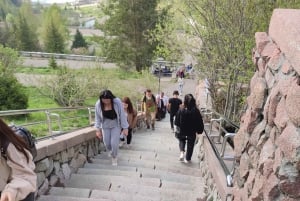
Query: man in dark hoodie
[{"x": 189, "y": 122}]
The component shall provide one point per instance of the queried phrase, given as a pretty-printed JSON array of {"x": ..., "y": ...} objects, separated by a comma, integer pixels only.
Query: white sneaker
[
  {"x": 186, "y": 161},
  {"x": 181, "y": 156},
  {"x": 114, "y": 161},
  {"x": 122, "y": 143}
]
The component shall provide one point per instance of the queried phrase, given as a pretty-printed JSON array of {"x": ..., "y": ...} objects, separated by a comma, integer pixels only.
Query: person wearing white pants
[{"x": 110, "y": 122}]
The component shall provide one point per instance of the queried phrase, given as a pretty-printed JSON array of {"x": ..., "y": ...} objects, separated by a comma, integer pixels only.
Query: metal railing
[
  {"x": 62, "y": 56},
  {"x": 220, "y": 154},
  {"x": 50, "y": 122}
]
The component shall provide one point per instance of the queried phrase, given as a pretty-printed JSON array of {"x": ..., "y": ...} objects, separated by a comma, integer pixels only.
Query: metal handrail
[
  {"x": 220, "y": 156},
  {"x": 226, "y": 136},
  {"x": 51, "y": 116},
  {"x": 229, "y": 180},
  {"x": 62, "y": 56}
]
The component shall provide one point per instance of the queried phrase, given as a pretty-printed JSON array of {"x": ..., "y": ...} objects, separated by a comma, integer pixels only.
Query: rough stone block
[
  {"x": 284, "y": 29},
  {"x": 289, "y": 142},
  {"x": 281, "y": 118},
  {"x": 261, "y": 40},
  {"x": 293, "y": 102}
]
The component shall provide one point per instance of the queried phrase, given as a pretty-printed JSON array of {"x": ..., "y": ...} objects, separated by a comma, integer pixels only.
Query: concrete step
[
  {"x": 145, "y": 173},
  {"x": 174, "y": 193},
  {"x": 170, "y": 176},
  {"x": 70, "y": 192},
  {"x": 104, "y": 182},
  {"x": 109, "y": 167},
  {"x": 175, "y": 167},
  {"x": 93, "y": 171},
  {"x": 120, "y": 196},
  {"x": 64, "y": 198}
]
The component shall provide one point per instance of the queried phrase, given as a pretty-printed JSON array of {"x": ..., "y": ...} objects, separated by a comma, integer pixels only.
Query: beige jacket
[
  {"x": 132, "y": 119},
  {"x": 16, "y": 175}
]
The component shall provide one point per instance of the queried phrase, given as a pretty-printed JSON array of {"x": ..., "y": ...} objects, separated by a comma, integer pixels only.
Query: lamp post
[{"x": 159, "y": 62}]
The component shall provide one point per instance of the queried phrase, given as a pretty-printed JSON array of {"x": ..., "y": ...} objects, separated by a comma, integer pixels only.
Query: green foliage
[
  {"x": 8, "y": 61},
  {"x": 79, "y": 41},
  {"x": 25, "y": 37},
  {"x": 54, "y": 32},
  {"x": 6, "y": 7},
  {"x": 227, "y": 39},
  {"x": 12, "y": 95},
  {"x": 52, "y": 63},
  {"x": 126, "y": 28}
]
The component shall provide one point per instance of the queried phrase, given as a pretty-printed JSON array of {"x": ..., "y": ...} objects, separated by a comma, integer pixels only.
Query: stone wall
[
  {"x": 267, "y": 145},
  {"x": 59, "y": 157}
]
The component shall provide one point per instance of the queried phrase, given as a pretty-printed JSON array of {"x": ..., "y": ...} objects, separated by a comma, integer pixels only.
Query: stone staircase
[{"x": 149, "y": 170}]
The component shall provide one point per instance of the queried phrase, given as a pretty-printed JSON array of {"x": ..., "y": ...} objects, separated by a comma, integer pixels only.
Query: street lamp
[{"x": 159, "y": 62}]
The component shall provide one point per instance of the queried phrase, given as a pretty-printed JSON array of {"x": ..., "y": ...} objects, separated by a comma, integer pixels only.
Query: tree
[
  {"x": 165, "y": 36},
  {"x": 12, "y": 95},
  {"x": 227, "y": 37},
  {"x": 54, "y": 32},
  {"x": 8, "y": 61},
  {"x": 79, "y": 41},
  {"x": 126, "y": 31},
  {"x": 25, "y": 37}
]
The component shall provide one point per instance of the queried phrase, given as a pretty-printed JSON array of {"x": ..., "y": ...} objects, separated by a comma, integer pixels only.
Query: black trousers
[
  {"x": 30, "y": 197},
  {"x": 190, "y": 142},
  {"x": 129, "y": 136},
  {"x": 172, "y": 120}
]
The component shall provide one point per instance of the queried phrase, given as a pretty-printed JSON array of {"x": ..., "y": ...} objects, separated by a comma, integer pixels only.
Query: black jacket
[{"x": 189, "y": 121}]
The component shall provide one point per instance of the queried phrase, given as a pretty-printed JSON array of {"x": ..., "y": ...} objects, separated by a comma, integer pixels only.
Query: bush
[{"x": 12, "y": 95}]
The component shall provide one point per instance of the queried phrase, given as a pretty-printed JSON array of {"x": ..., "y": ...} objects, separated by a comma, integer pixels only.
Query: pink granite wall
[{"x": 267, "y": 146}]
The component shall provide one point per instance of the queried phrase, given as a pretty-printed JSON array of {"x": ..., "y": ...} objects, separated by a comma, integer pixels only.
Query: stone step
[
  {"x": 104, "y": 182},
  {"x": 64, "y": 198},
  {"x": 177, "y": 167},
  {"x": 70, "y": 192},
  {"x": 145, "y": 173},
  {"x": 93, "y": 171},
  {"x": 120, "y": 196},
  {"x": 172, "y": 192},
  {"x": 170, "y": 176},
  {"x": 109, "y": 167}
]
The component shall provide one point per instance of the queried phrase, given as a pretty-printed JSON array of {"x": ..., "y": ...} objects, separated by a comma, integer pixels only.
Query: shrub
[{"x": 12, "y": 95}]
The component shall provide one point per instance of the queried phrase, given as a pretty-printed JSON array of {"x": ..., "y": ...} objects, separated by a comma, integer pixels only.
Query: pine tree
[
  {"x": 79, "y": 41},
  {"x": 54, "y": 32}
]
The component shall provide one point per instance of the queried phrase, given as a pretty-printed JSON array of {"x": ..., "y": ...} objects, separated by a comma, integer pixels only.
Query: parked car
[{"x": 161, "y": 70}]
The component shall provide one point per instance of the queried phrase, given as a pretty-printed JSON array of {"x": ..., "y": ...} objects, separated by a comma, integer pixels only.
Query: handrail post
[
  {"x": 49, "y": 121},
  {"x": 91, "y": 110},
  {"x": 211, "y": 122},
  {"x": 226, "y": 136}
]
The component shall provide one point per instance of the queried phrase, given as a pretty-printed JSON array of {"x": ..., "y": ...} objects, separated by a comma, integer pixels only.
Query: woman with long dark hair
[
  {"x": 18, "y": 179},
  {"x": 110, "y": 122},
  {"x": 190, "y": 123},
  {"x": 131, "y": 114}
]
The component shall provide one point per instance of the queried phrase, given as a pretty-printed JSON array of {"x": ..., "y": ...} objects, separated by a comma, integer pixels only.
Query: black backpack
[{"x": 28, "y": 138}]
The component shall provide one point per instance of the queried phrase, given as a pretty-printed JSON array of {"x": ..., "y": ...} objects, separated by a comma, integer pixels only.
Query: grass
[{"x": 121, "y": 83}]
